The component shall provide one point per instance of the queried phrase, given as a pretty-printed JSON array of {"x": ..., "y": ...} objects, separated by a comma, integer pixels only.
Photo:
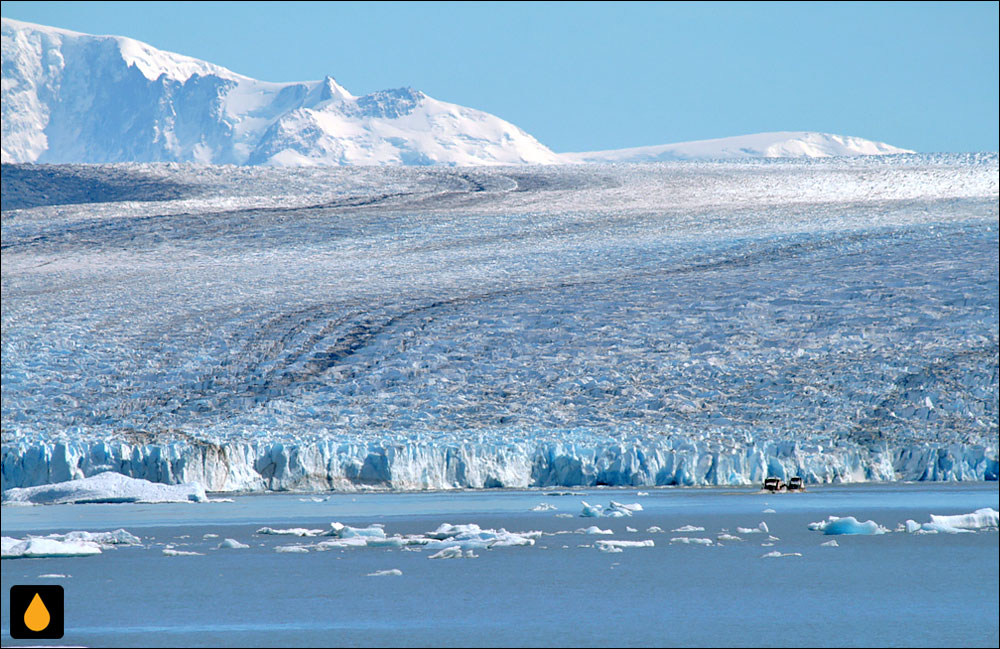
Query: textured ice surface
[
  {"x": 106, "y": 487},
  {"x": 664, "y": 324},
  {"x": 985, "y": 518}
]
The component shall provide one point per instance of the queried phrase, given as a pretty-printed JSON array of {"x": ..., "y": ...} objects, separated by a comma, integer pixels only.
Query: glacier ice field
[{"x": 432, "y": 328}]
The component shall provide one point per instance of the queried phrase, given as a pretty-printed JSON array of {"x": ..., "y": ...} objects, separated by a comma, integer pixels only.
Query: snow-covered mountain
[
  {"x": 782, "y": 144},
  {"x": 72, "y": 97}
]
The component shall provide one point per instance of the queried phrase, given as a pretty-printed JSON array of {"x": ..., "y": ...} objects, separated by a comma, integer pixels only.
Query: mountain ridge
[{"x": 70, "y": 97}]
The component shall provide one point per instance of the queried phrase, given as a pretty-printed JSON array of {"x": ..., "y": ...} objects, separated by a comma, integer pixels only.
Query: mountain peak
[{"x": 780, "y": 144}]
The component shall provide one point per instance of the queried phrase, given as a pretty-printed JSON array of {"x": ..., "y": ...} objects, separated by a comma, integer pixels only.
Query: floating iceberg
[
  {"x": 292, "y": 531},
  {"x": 848, "y": 525},
  {"x": 36, "y": 548},
  {"x": 778, "y": 555},
  {"x": 979, "y": 519},
  {"x": 232, "y": 544},
  {"x": 593, "y": 529},
  {"x": 107, "y": 487},
  {"x": 609, "y": 543},
  {"x": 691, "y": 540},
  {"x": 171, "y": 552},
  {"x": 985, "y": 518},
  {"x": 104, "y": 539},
  {"x": 393, "y": 572},
  {"x": 689, "y": 528}
]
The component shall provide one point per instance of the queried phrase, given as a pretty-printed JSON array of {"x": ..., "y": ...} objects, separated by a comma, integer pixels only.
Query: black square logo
[{"x": 36, "y": 612}]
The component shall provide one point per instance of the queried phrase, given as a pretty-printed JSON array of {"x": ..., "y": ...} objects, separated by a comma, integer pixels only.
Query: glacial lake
[{"x": 893, "y": 589}]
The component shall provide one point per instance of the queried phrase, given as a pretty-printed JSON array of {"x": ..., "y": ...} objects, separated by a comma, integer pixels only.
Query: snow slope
[
  {"x": 784, "y": 144},
  {"x": 72, "y": 97}
]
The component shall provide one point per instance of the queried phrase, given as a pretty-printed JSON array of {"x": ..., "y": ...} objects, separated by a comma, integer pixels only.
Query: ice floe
[
  {"x": 104, "y": 539},
  {"x": 754, "y": 530},
  {"x": 593, "y": 529},
  {"x": 292, "y": 549},
  {"x": 613, "y": 543},
  {"x": 171, "y": 552},
  {"x": 688, "y": 528},
  {"x": 393, "y": 572},
  {"x": 232, "y": 544},
  {"x": 543, "y": 507},
  {"x": 778, "y": 555},
  {"x": 292, "y": 531},
  {"x": 848, "y": 525},
  {"x": 981, "y": 519},
  {"x": 36, "y": 548},
  {"x": 107, "y": 487},
  {"x": 832, "y": 543},
  {"x": 727, "y": 537},
  {"x": 691, "y": 540},
  {"x": 613, "y": 510},
  {"x": 453, "y": 552}
]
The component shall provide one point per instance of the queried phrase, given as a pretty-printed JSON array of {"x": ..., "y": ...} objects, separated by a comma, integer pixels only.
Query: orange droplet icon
[{"x": 36, "y": 616}]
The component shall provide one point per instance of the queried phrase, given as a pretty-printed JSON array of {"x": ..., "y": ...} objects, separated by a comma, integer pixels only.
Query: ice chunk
[
  {"x": 769, "y": 511},
  {"x": 209, "y": 535},
  {"x": 105, "y": 539},
  {"x": 107, "y": 487},
  {"x": 346, "y": 532},
  {"x": 648, "y": 543},
  {"x": 630, "y": 529},
  {"x": 979, "y": 519},
  {"x": 835, "y": 525},
  {"x": 691, "y": 540},
  {"x": 394, "y": 572},
  {"x": 728, "y": 537},
  {"x": 543, "y": 507},
  {"x": 630, "y": 507},
  {"x": 654, "y": 529},
  {"x": 170, "y": 552},
  {"x": 689, "y": 528},
  {"x": 832, "y": 543},
  {"x": 35, "y": 548},
  {"x": 292, "y": 549},
  {"x": 292, "y": 531},
  {"x": 777, "y": 555},
  {"x": 452, "y": 552},
  {"x": 591, "y": 511},
  {"x": 609, "y": 548},
  {"x": 54, "y": 575},
  {"x": 753, "y": 530},
  {"x": 232, "y": 544},
  {"x": 593, "y": 529},
  {"x": 564, "y": 515}
]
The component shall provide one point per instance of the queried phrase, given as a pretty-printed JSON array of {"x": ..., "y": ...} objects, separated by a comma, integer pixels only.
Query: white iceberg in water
[
  {"x": 36, "y": 548},
  {"x": 979, "y": 519},
  {"x": 107, "y": 487},
  {"x": 292, "y": 531},
  {"x": 835, "y": 525},
  {"x": 593, "y": 529},
  {"x": 393, "y": 572},
  {"x": 608, "y": 543},
  {"x": 691, "y": 540},
  {"x": 778, "y": 555},
  {"x": 984, "y": 518},
  {"x": 689, "y": 528},
  {"x": 170, "y": 552},
  {"x": 232, "y": 544},
  {"x": 104, "y": 539}
]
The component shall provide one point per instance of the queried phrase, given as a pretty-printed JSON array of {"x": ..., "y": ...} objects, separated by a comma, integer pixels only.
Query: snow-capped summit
[
  {"x": 782, "y": 144},
  {"x": 72, "y": 97}
]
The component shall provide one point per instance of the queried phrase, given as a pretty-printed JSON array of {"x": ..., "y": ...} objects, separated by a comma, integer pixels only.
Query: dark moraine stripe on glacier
[{"x": 31, "y": 185}]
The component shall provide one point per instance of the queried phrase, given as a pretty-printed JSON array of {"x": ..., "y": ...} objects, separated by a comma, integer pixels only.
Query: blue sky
[{"x": 593, "y": 76}]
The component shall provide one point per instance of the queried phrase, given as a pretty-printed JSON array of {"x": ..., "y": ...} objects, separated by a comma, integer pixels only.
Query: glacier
[{"x": 403, "y": 328}]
